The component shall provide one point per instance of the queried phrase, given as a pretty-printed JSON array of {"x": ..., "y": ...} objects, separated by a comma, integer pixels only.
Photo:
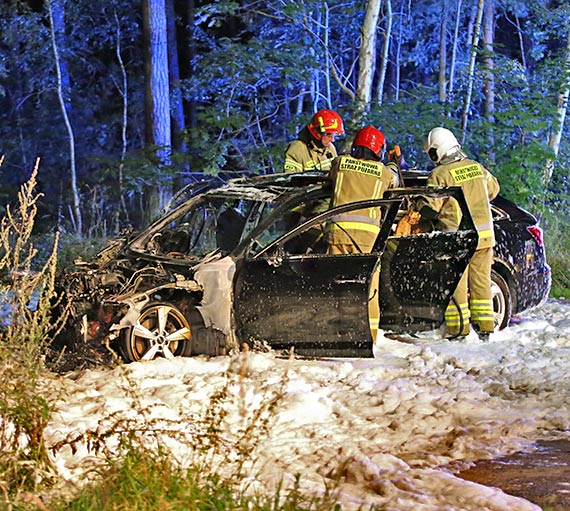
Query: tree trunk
[
  {"x": 56, "y": 17},
  {"x": 385, "y": 52},
  {"x": 488, "y": 60},
  {"x": 521, "y": 43},
  {"x": 556, "y": 135},
  {"x": 398, "y": 52},
  {"x": 177, "y": 109},
  {"x": 489, "y": 66},
  {"x": 454, "y": 48},
  {"x": 367, "y": 53},
  {"x": 327, "y": 72},
  {"x": 442, "y": 54},
  {"x": 192, "y": 118},
  {"x": 157, "y": 104},
  {"x": 471, "y": 72},
  {"x": 178, "y": 123},
  {"x": 315, "y": 89},
  {"x": 123, "y": 91}
]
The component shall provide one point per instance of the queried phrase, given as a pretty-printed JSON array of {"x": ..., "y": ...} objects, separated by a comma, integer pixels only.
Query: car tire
[
  {"x": 161, "y": 331},
  {"x": 502, "y": 304}
]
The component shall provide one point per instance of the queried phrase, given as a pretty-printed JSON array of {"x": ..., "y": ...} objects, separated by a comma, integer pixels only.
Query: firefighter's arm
[
  {"x": 293, "y": 161},
  {"x": 492, "y": 186},
  {"x": 429, "y": 207},
  {"x": 428, "y": 213},
  {"x": 426, "y": 207},
  {"x": 396, "y": 160}
]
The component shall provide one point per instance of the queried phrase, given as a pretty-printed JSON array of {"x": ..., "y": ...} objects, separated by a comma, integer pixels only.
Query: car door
[
  {"x": 292, "y": 293},
  {"x": 318, "y": 303},
  {"x": 420, "y": 272}
]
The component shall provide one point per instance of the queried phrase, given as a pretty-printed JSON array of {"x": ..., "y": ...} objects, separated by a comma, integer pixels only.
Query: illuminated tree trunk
[
  {"x": 57, "y": 31},
  {"x": 454, "y": 49},
  {"x": 385, "y": 52},
  {"x": 442, "y": 55},
  {"x": 157, "y": 105},
  {"x": 367, "y": 53},
  {"x": 556, "y": 135},
  {"x": 489, "y": 67},
  {"x": 471, "y": 73},
  {"x": 398, "y": 52},
  {"x": 488, "y": 60},
  {"x": 123, "y": 91}
]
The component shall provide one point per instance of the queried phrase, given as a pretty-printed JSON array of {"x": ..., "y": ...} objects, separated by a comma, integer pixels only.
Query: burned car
[{"x": 247, "y": 262}]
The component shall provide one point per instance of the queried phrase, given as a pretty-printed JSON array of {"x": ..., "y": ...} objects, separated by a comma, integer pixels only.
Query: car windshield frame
[{"x": 252, "y": 199}]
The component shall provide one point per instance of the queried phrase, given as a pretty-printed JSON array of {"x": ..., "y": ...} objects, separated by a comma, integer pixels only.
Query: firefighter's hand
[
  {"x": 414, "y": 217},
  {"x": 396, "y": 156}
]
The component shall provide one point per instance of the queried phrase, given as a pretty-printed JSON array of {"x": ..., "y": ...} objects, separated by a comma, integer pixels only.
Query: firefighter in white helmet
[
  {"x": 472, "y": 299},
  {"x": 314, "y": 148}
]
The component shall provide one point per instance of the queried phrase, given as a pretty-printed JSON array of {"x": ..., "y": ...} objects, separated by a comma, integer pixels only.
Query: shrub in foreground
[{"x": 26, "y": 295}]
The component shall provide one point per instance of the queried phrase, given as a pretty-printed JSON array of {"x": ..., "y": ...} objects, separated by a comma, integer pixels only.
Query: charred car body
[{"x": 246, "y": 262}]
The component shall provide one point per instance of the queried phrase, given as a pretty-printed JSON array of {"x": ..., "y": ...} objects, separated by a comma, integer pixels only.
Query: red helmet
[
  {"x": 326, "y": 122},
  {"x": 372, "y": 138}
]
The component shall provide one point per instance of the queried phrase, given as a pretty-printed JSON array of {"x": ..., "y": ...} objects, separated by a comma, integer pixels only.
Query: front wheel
[
  {"x": 161, "y": 330},
  {"x": 502, "y": 305}
]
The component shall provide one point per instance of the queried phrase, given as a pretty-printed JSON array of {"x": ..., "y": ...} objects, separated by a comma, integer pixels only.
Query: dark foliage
[{"x": 251, "y": 76}]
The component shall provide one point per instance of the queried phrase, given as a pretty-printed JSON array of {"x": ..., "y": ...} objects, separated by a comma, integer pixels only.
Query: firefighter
[
  {"x": 472, "y": 299},
  {"x": 314, "y": 148},
  {"x": 355, "y": 177}
]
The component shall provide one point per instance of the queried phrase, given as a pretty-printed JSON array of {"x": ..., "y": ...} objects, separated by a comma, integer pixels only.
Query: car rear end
[{"x": 520, "y": 255}]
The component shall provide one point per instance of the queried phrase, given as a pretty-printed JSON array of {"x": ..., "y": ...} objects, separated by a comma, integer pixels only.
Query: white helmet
[{"x": 440, "y": 143}]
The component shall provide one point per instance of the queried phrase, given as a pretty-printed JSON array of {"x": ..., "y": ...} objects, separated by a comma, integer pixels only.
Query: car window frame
[{"x": 272, "y": 249}]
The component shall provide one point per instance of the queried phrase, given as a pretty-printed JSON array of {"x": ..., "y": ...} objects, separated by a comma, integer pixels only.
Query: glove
[
  {"x": 396, "y": 156},
  {"x": 406, "y": 223},
  {"x": 428, "y": 213}
]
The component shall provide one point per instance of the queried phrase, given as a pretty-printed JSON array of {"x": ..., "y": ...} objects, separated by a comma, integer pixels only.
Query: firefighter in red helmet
[
  {"x": 355, "y": 177},
  {"x": 314, "y": 148},
  {"x": 360, "y": 176}
]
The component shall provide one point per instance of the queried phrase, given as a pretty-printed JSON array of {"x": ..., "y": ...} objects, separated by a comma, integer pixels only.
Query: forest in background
[{"x": 123, "y": 100}]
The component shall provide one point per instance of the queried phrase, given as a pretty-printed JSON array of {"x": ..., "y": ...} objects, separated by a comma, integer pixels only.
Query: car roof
[
  {"x": 271, "y": 187},
  {"x": 276, "y": 187}
]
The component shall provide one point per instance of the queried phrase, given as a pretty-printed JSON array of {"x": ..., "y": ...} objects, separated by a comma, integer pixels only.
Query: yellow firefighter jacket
[
  {"x": 479, "y": 187},
  {"x": 355, "y": 180},
  {"x": 306, "y": 157}
]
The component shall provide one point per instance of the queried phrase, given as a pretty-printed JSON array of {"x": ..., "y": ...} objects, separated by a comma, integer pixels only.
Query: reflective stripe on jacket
[
  {"x": 479, "y": 187},
  {"x": 302, "y": 157},
  {"x": 356, "y": 180}
]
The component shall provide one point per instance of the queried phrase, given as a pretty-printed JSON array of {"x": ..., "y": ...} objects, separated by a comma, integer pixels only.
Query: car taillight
[{"x": 536, "y": 232}]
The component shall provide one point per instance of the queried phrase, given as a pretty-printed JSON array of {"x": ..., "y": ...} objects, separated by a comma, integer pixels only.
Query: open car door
[
  {"x": 291, "y": 293},
  {"x": 421, "y": 271}
]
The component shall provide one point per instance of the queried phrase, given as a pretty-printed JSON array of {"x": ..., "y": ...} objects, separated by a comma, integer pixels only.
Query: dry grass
[{"x": 26, "y": 297}]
